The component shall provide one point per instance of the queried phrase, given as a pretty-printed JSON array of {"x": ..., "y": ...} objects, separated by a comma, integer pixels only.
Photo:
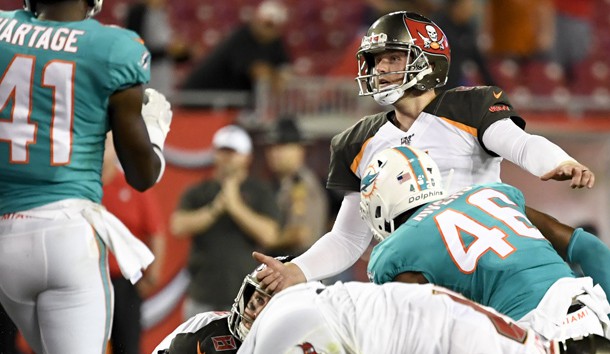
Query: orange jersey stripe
[
  {"x": 358, "y": 158},
  {"x": 470, "y": 130}
]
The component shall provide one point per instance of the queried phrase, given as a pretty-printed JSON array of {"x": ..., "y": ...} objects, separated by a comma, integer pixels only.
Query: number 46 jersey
[
  {"x": 477, "y": 242},
  {"x": 56, "y": 80}
]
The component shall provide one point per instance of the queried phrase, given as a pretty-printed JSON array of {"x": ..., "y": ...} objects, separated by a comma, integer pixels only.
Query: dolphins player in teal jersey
[
  {"x": 65, "y": 81},
  {"x": 476, "y": 241}
]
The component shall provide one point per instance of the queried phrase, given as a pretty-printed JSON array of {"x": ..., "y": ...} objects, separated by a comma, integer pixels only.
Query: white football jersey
[{"x": 450, "y": 129}]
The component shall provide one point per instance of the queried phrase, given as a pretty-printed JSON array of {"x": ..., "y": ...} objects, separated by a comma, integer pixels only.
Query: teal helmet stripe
[{"x": 416, "y": 166}]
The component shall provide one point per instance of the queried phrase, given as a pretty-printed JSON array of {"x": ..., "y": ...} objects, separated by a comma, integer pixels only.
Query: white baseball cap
[
  {"x": 234, "y": 138},
  {"x": 273, "y": 11}
]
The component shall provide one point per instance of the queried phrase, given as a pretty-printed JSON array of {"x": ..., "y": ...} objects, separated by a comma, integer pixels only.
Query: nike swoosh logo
[
  {"x": 199, "y": 349},
  {"x": 497, "y": 95}
]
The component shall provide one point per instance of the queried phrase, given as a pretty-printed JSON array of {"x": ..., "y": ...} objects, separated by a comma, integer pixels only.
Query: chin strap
[
  {"x": 242, "y": 331},
  {"x": 390, "y": 96},
  {"x": 393, "y": 93}
]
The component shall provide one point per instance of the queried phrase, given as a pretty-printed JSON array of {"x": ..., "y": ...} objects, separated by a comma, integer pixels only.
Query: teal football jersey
[
  {"x": 477, "y": 242},
  {"x": 56, "y": 80}
]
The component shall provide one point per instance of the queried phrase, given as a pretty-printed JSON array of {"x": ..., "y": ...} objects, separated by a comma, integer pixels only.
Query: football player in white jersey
[
  {"x": 358, "y": 318},
  {"x": 467, "y": 130},
  {"x": 366, "y": 318}
]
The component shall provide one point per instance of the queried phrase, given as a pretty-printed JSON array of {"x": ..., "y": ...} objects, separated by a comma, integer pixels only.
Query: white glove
[{"x": 157, "y": 114}]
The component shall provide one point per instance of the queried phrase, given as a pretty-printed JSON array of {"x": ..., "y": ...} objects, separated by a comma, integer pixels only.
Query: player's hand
[
  {"x": 579, "y": 174},
  {"x": 157, "y": 114},
  {"x": 277, "y": 276}
]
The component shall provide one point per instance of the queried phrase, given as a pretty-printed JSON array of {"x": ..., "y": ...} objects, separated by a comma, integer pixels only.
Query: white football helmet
[
  {"x": 397, "y": 179},
  {"x": 95, "y": 6}
]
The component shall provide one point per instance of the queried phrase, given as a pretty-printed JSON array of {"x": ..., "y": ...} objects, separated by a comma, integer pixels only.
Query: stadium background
[{"x": 322, "y": 36}]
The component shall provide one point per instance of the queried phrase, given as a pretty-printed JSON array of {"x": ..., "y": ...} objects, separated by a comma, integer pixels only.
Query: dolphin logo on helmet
[{"x": 407, "y": 178}]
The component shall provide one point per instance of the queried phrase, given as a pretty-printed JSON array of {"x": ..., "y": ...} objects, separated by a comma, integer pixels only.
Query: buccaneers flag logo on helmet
[{"x": 432, "y": 38}]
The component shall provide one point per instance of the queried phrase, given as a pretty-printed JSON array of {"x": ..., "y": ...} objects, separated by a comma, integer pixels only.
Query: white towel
[{"x": 550, "y": 317}]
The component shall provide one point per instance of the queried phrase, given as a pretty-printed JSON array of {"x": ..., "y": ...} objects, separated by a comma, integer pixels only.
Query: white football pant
[{"x": 54, "y": 283}]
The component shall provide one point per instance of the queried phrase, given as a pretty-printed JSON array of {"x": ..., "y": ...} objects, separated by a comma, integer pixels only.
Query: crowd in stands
[{"x": 555, "y": 49}]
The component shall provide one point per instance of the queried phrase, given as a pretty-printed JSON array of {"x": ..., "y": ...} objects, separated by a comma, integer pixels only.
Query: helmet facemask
[
  {"x": 369, "y": 79},
  {"x": 95, "y": 6},
  {"x": 249, "y": 288},
  {"x": 238, "y": 317}
]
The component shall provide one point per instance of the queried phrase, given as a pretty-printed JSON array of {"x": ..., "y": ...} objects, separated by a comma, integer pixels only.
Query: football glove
[{"x": 157, "y": 114}]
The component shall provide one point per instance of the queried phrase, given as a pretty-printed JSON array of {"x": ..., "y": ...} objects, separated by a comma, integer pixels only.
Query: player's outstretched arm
[
  {"x": 593, "y": 256},
  {"x": 139, "y": 147},
  {"x": 557, "y": 233},
  {"x": 277, "y": 275},
  {"x": 576, "y": 246},
  {"x": 536, "y": 154}
]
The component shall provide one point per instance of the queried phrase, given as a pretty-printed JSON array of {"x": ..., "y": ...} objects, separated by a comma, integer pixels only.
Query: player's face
[
  {"x": 255, "y": 305},
  {"x": 387, "y": 62}
]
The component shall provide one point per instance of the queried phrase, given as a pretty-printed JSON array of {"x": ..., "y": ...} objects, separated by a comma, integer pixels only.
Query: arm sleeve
[
  {"x": 533, "y": 153},
  {"x": 341, "y": 247},
  {"x": 593, "y": 256}
]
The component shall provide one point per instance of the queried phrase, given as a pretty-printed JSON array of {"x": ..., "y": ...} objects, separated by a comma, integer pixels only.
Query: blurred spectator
[
  {"x": 227, "y": 217},
  {"x": 458, "y": 21},
  {"x": 150, "y": 19},
  {"x": 573, "y": 34},
  {"x": 141, "y": 214},
  {"x": 519, "y": 29},
  {"x": 300, "y": 195},
  {"x": 254, "y": 53}
]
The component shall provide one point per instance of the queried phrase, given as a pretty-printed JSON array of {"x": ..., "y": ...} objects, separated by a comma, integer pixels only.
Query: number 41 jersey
[
  {"x": 479, "y": 243},
  {"x": 56, "y": 80}
]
